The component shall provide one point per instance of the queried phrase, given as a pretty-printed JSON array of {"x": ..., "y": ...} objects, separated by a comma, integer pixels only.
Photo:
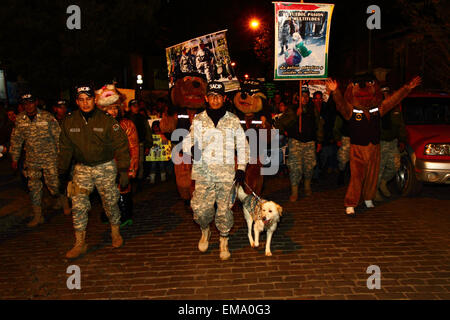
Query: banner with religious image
[
  {"x": 301, "y": 40},
  {"x": 207, "y": 55}
]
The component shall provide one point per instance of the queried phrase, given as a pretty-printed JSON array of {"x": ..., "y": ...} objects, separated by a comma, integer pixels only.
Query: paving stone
[{"x": 318, "y": 252}]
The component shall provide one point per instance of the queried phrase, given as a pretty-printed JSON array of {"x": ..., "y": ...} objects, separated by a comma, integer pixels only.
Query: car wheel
[{"x": 406, "y": 180}]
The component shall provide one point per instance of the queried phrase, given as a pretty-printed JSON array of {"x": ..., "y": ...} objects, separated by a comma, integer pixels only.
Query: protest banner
[
  {"x": 207, "y": 55},
  {"x": 301, "y": 40}
]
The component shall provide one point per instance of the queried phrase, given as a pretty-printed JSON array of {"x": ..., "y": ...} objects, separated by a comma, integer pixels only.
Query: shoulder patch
[{"x": 116, "y": 127}]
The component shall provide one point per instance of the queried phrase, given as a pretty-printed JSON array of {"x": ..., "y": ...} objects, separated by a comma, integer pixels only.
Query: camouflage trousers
[
  {"x": 301, "y": 160},
  {"x": 390, "y": 160},
  {"x": 207, "y": 193},
  {"x": 34, "y": 174},
  {"x": 103, "y": 177},
  {"x": 343, "y": 153}
]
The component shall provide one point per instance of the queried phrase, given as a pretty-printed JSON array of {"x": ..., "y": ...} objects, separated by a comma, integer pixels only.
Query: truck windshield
[{"x": 426, "y": 110}]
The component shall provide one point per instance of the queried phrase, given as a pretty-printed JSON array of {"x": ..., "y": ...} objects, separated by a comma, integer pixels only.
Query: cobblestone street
[{"x": 318, "y": 252}]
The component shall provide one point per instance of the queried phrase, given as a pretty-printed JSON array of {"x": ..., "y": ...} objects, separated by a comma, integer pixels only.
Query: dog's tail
[{"x": 241, "y": 193}]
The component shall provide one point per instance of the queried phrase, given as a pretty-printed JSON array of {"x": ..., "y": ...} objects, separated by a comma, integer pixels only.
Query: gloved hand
[
  {"x": 240, "y": 176},
  {"x": 63, "y": 180},
  {"x": 196, "y": 153},
  {"x": 123, "y": 180}
]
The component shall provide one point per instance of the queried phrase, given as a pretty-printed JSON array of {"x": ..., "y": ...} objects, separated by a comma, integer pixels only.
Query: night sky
[{"x": 37, "y": 46}]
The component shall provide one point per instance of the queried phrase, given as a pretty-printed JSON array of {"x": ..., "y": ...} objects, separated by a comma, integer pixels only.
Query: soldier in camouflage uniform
[
  {"x": 393, "y": 135},
  {"x": 214, "y": 166},
  {"x": 94, "y": 139},
  {"x": 40, "y": 132},
  {"x": 342, "y": 138},
  {"x": 302, "y": 142}
]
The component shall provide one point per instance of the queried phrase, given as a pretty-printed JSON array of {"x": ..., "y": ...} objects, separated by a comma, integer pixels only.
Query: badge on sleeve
[{"x": 116, "y": 127}]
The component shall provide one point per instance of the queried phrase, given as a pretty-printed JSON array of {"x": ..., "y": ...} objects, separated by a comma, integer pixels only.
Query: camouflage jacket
[
  {"x": 312, "y": 126},
  {"x": 41, "y": 137},
  {"x": 217, "y": 146}
]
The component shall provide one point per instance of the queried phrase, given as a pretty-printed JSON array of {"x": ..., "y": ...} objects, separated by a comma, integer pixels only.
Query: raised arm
[
  {"x": 399, "y": 95},
  {"x": 341, "y": 105}
]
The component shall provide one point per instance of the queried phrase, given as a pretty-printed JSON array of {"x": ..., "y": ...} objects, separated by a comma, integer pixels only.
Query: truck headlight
[{"x": 437, "y": 149}]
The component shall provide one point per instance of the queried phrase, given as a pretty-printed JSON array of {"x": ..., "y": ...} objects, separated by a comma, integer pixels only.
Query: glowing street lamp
[
  {"x": 139, "y": 79},
  {"x": 139, "y": 83},
  {"x": 254, "y": 24},
  {"x": 246, "y": 76}
]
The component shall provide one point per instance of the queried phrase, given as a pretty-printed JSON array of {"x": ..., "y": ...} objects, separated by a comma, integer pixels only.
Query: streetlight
[
  {"x": 254, "y": 24},
  {"x": 139, "y": 83}
]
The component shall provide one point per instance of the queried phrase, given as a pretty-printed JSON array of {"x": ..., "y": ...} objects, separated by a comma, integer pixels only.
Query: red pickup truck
[{"x": 427, "y": 154}]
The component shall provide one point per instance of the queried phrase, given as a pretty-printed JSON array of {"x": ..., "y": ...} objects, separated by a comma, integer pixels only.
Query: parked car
[{"x": 427, "y": 155}]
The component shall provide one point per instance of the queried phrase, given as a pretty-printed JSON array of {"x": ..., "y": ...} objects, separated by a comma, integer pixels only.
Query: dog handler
[
  {"x": 213, "y": 174},
  {"x": 94, "y": 139}
]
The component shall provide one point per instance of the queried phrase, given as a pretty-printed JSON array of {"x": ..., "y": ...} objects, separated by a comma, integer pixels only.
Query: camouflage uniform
[
  {"x": 213, "y": 181},
  {"x": 301, "y": 160},
  {"x": 392, "y": 131},
  {"x": 340, "y": 132},
  {"x": 302, "y": 146},
  {"x": 103, "y": 177},
  {"x": 343, "y": 153},
  {"x": 41, "y": 136},
  {"x": 388, "y": 163},
  {"x": 94, "y": 144}
]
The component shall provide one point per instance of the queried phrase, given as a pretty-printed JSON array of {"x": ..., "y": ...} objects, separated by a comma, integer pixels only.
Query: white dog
[{"x": 265, "y": 214}]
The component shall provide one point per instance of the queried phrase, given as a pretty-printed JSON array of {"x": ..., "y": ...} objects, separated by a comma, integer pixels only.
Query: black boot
[{"x": 126, "y": 209}]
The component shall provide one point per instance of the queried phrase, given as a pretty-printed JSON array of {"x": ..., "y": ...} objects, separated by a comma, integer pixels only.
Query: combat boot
[
  {"x": 384, "y": 189},
  {"x": 204, "y": 240},
  {"x": 294, "y": 194},
  {"x": 80, "y": 245},
  {"x": 117, "y": 240},
  {"x": 38, "y": 218},
  {"x": 307, "y": 184},
  {"x": 224, "y": 253}
]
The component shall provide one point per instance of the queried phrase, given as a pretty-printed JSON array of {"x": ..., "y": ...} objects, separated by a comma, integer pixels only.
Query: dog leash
[
  {"x": 232, "y": 195},
  {"x": 253, "y": 192}
]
